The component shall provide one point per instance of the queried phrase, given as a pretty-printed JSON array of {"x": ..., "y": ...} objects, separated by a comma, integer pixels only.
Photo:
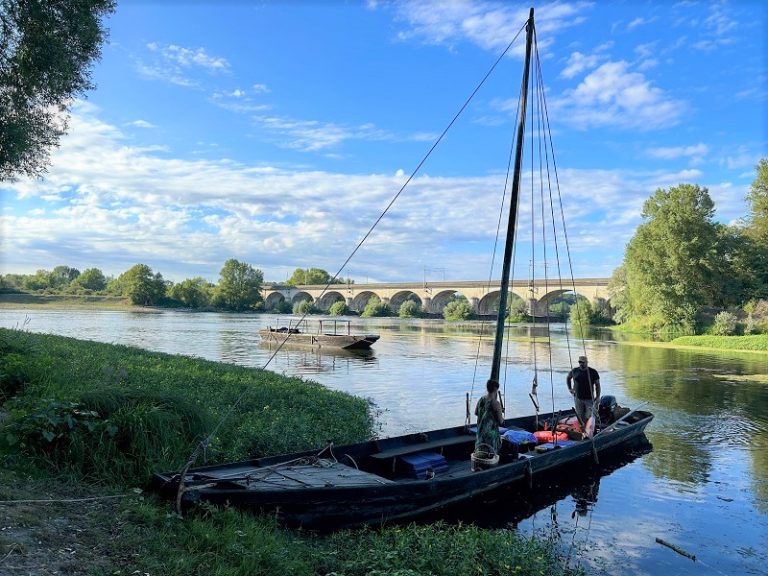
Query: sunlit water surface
[{"x": 703, "y": 487}]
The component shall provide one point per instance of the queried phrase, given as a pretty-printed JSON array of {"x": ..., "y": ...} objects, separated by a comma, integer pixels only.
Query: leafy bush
[
  {"x": 304, "y": 307},
  {"x": 409, "y": 309},
  {"x": 13, "y": 375},
  {"x": 518, "y": 311},
  {"x": 725, "y": 324},
  {"x": 375, "y": 308},
  {"x": 111, "y": 432},
  {"x": 457, "y": 310},
  {"x": 338, "y": 308},
  {"x": 581, "y": 316}
]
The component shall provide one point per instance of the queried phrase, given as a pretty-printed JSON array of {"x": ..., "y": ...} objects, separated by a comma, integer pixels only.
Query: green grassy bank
[
  {"x": 15, "y": 300},
  {"x": 84, "y": 424},
  {"x": 754, "y": 342}
]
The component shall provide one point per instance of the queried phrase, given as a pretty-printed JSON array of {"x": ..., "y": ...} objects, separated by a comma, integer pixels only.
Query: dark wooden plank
[{"x": 423, "y": 447}]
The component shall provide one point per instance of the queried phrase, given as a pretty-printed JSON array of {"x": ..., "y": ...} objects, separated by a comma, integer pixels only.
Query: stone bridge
[{"x": 433, "y": 296}]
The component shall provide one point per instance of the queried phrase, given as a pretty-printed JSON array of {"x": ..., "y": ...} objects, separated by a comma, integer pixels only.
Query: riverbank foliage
[
  {"x": 681, "y": 264},
  {"x": 98, "y": 410},
  {"x": 84, "y": 423}
]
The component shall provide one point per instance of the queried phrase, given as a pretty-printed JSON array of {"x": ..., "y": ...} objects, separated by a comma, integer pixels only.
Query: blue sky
[{"x": 277, "y": 132}]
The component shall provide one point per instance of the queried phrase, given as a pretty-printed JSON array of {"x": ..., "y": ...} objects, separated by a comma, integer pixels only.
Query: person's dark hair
[{"x": 492, "y": 385}]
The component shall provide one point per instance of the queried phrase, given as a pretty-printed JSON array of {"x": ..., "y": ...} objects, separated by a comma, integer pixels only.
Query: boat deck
[{"x": 294, "y": 476}]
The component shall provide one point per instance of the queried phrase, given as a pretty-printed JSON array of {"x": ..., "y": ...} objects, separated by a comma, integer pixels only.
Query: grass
[
  {"x": 755, "y": 342},
  {"x": 12, "y": 300},
  {"x": 82, "y": 422}
]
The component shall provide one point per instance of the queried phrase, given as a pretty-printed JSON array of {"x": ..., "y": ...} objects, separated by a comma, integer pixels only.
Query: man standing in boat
[{"x": 584, "y": 383}]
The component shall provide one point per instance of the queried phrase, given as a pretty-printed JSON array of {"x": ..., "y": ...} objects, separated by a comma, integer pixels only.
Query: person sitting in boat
[
  {"x": 584, "y": 384},
  {"x": 489, "y": 418}
]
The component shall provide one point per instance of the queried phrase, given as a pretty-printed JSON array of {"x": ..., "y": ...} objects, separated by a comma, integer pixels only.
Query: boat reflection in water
[
  {"x": 509, "y": 506},
  {"x": 312, "y": 360}
]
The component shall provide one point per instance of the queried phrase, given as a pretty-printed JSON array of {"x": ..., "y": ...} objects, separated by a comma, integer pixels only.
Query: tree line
[{"x": 238, "y": 289}]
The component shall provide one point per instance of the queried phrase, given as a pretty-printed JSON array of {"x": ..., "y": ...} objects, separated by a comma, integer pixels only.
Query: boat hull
[
  {"x": 341, "y": 341},
  {"x": 363, "y": 484}
]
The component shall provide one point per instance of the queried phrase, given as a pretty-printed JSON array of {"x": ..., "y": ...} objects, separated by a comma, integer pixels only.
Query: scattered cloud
[
  {"x": 178, "y": 65},
  {"x": 614, "y": 95},
  {"x": 718, "y": 29},
  {"x": 111, "y": 205},
  {"x": 637, "y": 22},
  {"x": 141, "y": 124},
  {"x": 489, "y": 25},
  {"x": 696, "y": 152}
]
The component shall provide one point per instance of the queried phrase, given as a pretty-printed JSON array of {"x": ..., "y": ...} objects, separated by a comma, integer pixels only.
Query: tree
[
  {"x": 192, "y": 292},
  {"x": 673, "y": 265},
  {"x": 316, "y": 276},
  {"x": 91, "y": 279},
  {"x": 757, "y": 198},
  {"x": 62, "y": 276},
  {"x": 409, "y": 309},
  {"x": 375, "y": 307},
  {"x": 142, "y": 286},
  {"x": 46, "y": 50},
  {"x": 338, "y": 308},
  {"x": 239, "y": 286},
  {"x": 457, "y": 309}
]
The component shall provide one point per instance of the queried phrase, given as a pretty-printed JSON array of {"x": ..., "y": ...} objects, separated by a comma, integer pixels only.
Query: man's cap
[{"x": 582, "y": 358}]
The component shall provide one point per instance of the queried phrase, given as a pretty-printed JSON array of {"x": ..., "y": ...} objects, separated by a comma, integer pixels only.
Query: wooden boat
[
  {"x": 389, "y": 480},
  {"x": 330, "y": 334},
  {"x": 402, "y": 477}
]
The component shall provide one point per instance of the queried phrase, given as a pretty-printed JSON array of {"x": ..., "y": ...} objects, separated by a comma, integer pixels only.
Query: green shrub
[
  {"x": 375, "y": 308},
  {"x": 725, "y": 324},
  {"x": 457, "y": 310},
  {"x": 409, "y": 309},
  {"x": 304, "y": 307},
  {"x": 338, "y": 308}
]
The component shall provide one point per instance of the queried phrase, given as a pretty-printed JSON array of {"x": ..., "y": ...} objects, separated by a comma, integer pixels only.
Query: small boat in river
[
  {"x": 329, "y": 334},
  {"x": 402, "y": 477}
]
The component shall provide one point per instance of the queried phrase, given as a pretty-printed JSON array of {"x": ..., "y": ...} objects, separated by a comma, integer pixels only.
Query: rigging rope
[{"x": 202, "y": 445}]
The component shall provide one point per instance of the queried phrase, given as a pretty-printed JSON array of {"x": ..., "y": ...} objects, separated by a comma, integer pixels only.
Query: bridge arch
[
  {"x": 398, "y": 298},
  {"x": 300, "y": 297},
  {"x": 273, "y": 300},
  {"x": 440, "y": 300},
  {"x": 359, "y": 302},
  {"x": 489, "y": 304},
  {"x": 328, "y": 299}
]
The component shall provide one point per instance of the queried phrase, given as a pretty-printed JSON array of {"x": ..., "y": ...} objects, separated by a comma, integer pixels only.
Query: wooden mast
[{"x": 508, "y": 245}]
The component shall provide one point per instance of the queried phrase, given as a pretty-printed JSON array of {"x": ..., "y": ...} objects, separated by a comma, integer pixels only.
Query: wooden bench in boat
[{"x": 429, "y": 446}]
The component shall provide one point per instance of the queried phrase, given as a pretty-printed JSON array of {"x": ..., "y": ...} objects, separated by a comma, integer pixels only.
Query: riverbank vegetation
[
  {"x": 684, "y": 274},
  {"x": 84, "y": 424}
]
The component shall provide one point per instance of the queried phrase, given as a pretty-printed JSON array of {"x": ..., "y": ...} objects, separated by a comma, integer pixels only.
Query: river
[{"x": 703, "y": 487}]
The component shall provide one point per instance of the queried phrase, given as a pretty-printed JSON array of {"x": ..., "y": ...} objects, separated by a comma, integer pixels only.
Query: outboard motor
[{"x": 607, "y": 409}]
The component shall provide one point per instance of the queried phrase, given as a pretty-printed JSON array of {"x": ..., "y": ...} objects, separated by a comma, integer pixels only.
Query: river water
[{"x": 703, "y": 486}]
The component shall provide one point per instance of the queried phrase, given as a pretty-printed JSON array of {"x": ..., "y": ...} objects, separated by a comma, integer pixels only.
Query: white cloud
[
  {"x": 189, "y": 57},
  {"x": 696, "y": 152},
  {"x": 640, "y": 22},
  {"x": 579, "y": 62},
  {"x": 718, "y": 29},
  {"x": 177, "y": 65},
  {"x": 107, "y": 204},
  {"x": 612, "y": 95},
  {"x": 489, "y": 25},
  {"x": 261, "y": 89},
  {"x": 141, "y": 124}
]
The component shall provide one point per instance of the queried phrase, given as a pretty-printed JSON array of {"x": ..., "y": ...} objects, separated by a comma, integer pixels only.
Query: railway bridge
[{"x": 433, "y": 296}]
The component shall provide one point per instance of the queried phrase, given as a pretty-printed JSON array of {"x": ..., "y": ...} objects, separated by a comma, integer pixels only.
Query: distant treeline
[{"x": 239, "y": 287}]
